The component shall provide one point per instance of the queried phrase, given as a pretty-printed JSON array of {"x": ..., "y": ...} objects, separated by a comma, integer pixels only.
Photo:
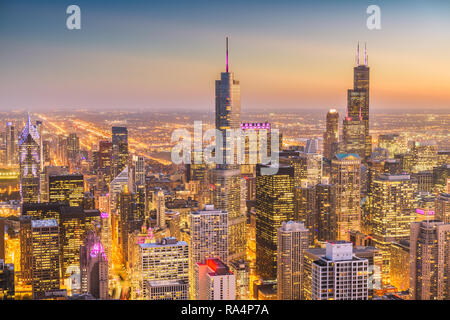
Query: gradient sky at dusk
[{"x": 167, "y": 54}]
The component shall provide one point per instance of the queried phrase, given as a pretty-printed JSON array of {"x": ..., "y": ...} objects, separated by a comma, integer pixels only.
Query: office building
[
  {"x": 45, "y": 257},
  {"x": 119, "y": 150},
  {"x": 167, "y": 260},
  {"x": 66, "y": 188},
  {"x": 331, "y": 135},
  {"x": 274, "y": 204},
  {"x": 429, "y": 260},
  {"x": 394, "y": 205},
  {"x": 94, "y": 267},
  {"x": 30, "y": 163},
  {"x": 293, "y": 239}
]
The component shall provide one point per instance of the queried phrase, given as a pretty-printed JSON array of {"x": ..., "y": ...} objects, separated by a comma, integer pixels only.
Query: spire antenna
[
  {"x": 365, "y": 54},
  {"x": 357, "y": 56},
  {"x": 227, "y": 56}
]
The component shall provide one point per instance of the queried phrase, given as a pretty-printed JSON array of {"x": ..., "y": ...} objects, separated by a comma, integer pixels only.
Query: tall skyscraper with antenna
[
  {"x": 226, "y": 177},
  {"x": 30, "y": 163},
  {"x": 356, "y": 123}
]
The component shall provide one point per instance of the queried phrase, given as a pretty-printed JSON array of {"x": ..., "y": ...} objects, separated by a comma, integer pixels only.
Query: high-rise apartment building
[
  {"x": 208, "y": 238},
  {"x": 215, "y": 281},
  {"x": 346, "y": 176},
  {"x": 293, "y": 239},
  {"x": 167, "y": 260},
  {"x": 340, "y": 275}
]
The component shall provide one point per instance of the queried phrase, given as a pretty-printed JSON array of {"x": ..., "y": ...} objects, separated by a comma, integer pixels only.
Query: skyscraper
[
  {"x": 293, "y": 239},
  {"x": 356, "y": 123},
  {"x": 215, "y": 281},
  {"x": 228, "y": 106},
  {"x": 167, "y": 260},
  {"x": 45, "y": 258},
  {"x": 227, "y": 197},
  {"x": 340, "y": 275},
  {"x": 430, "y": 260},
  {"x": 66, "y": 188},
  {"x": 160, "y": 209},
  {"x": 346, "y": 176},
  {"x": 393, "y": 210},
  {"x": 274, "y": 204},
  {"x": 226, "y": 177},
  {"x": 30, "y": 163},
  {"x": 208, "y": 238},
  {"x": 11, "y": 144},
  {"x": 331, "y": 135},
  {"x": 94, "y": 267},
  {"x": 119, "y": 159},
  {"x": 443, "y": 207},
  {"x": 73, "y": 148}
]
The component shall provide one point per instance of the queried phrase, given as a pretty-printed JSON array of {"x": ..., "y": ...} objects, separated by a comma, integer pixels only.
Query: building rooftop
[{"x": 44, "y": 223}]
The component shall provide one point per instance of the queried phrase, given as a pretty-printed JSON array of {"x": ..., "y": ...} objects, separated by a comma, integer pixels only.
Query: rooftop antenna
[
  {"x": 227, "y": 56},
  {"x": 365, "y": 54},
  {"x": 357, "y": 56}
]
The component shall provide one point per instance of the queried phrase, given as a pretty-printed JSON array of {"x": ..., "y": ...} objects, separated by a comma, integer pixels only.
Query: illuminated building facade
[
  {"x": 429, "y": 263},
  {"x": 104, "y": 165},
  {"x": 293, "y": 239},
  {"x": 167, "y": 260},
  {"x": 346, "y": 176},
  {"x": 227, "y": 197},
  {"x": 339, "y": 274},
  {"x": 228, "y": 106},
  {"x": 443, "y": 207},
  {"x": 399, "y": 259},
  {"x": 325, "y": 212},
  {"x": 274, "y": 204},
  {"x": 241, "y": 270},
  {"x": 11, "y": 144},
  {"x": 356, "y": 137},
  {"x": 441, "y": 179},
  {"x": 119, "y": 151},
  {"x": 331, "y": 135},
  {"x": 30, "y": 163},
  {"x": 6, "y": 280},
  {"x": 74, "y": 225},
  {"x": 208, "y": 238},
  {"x": 94, "y": 267},
  {"x": 394, "y": 205},
  {"x": 215, "y": 281},
  {"x": 168, "y": 290},
  {"x": 395, "y": 144},
  {"x": 66, "y": 188},
  {"x": 45, "y": 257}
]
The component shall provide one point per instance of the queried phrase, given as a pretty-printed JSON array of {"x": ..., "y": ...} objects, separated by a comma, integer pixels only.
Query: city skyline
[
  {"x": 164, "y": 56},
  {"x": 340, "y": 204}
]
